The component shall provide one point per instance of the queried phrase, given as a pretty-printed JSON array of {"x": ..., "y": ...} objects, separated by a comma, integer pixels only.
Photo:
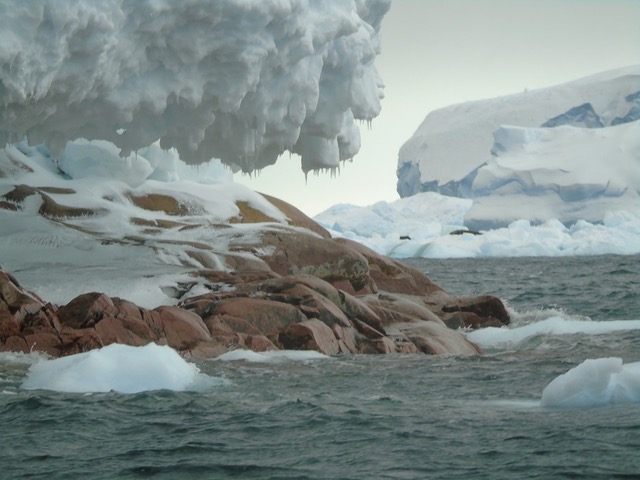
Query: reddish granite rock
[
  {"x": 86, "y": 310},
  {"x": 259, "y": 316},
  {"x": 47, "y": 342},
  {"x": 182, "y": 329},
  {"x": 9, "y": 325},
  {"x": 309, "y": 335},
  {"x": 15, "y": 297},
  {"x": 347, "y": 338},
  {"x": 123, "y": 330},
  {"x": 406, "y": 319},
  {"x": 297, "y": 252},
  {"x": 24, "y": 315},
  {"x": 14, "y": 343},
  {"x": 78, "y": 340},
  {"x": 391, "y": 275}
]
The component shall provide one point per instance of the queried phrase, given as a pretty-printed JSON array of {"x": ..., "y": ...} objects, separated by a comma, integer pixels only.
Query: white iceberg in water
[
  {"x": 595, "y": 382},
  {"x": 119, "y": 368}
]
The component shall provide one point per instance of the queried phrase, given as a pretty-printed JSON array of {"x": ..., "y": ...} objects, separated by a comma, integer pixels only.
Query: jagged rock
[
  {"x": 9, "y": 325},
  {"x": 79, "y": 340},
  {"x": 47, "y": 342},
  {"x": 124, "y": 330},
  {"x": 14, "y": 343},
  {"x": 14, "y": 296},
  {"x": 407, "y": 320}
]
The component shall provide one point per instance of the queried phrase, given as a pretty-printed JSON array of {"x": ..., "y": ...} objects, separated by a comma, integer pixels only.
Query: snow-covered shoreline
[{"x": 429, "y": 219}]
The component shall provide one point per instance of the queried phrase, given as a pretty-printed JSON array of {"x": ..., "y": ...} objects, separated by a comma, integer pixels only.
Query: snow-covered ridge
[
  {"x": 565, "y": 172},
  {"x": 453, "y": 142},
  {"x": 241, "y": 81},
  {"x": 569, "y": 152}
]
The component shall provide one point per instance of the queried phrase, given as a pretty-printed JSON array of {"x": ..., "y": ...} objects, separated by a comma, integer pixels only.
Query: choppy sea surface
[{"x": 367, "y": 417}]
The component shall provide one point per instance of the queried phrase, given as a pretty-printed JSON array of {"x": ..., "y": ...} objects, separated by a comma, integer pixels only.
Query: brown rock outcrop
[{"x": 295, "y": 288}]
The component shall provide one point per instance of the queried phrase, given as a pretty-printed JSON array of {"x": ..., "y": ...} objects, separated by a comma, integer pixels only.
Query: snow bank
[
  {"x": 242, "y": 81},
  {"x": 119, "y": 368},
  {"x": 594, "y": 383}
]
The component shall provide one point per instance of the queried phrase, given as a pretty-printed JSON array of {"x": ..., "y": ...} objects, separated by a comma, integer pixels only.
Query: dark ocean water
[{"x": 365, "y": 417}]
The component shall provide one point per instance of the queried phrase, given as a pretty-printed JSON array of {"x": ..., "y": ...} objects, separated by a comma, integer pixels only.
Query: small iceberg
[
  {"x": 119, "y": 368},
  {"x": 595, "y": 382}
]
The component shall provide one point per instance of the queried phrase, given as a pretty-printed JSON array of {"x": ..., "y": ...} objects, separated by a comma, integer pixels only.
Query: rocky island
[{"x": 278, "y": 284}]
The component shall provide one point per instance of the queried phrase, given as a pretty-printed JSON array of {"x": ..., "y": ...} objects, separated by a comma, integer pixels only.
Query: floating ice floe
[
  {"x": 119, "y": 368},
  {"x": 595, "y": 382}
]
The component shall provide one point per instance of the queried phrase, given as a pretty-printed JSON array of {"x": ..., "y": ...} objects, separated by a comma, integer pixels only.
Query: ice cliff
[
  {"x": 567, "y": 152},
  {"x": 242, "y": 81}
]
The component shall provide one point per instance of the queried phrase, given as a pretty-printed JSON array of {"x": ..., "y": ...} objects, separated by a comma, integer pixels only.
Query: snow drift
[{"x": 239, "y": 81}]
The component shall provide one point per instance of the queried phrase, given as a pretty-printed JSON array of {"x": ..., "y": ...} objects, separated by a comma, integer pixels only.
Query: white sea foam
[
  {"x": 512, "y": 337},
  {"x": 595, "y": 382},
  {"x": 119, "y": 368},
  {"x": 19, "y": 358},
  {"x": 274, "y": 356}
]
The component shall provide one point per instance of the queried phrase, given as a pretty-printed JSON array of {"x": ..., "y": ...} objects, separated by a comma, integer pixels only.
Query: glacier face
[
  {"x": 238, "y": 80},
  {"x": 567, "y": 173},
  {"x": 568, "y": 152}
]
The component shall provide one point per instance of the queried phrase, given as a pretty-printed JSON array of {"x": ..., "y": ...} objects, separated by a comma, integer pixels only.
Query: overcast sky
[{"x": 441, "y": 52}]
